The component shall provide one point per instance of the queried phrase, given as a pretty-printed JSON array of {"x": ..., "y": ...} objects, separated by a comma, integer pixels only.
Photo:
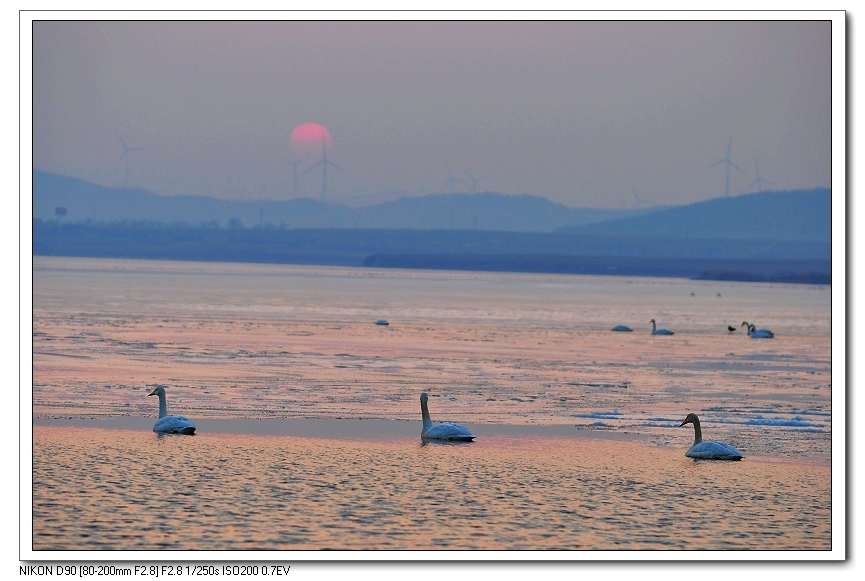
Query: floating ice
[
  {"x": 796, "y": 421},
  {"x": 812, "y": 412},
  {"x": 604, "y": 415}
]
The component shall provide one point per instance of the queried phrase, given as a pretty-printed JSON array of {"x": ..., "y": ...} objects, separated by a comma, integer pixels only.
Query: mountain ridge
[
  {"x": 772, "y": 215},
  {"x": 484, "y": 211},
  {"x": 794, "y": 215}
]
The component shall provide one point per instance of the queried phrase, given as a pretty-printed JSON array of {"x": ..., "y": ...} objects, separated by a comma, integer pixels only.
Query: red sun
[{"x": 309, "y": 137}]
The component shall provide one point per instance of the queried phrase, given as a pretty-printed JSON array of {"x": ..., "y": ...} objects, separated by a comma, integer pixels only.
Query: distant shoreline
[
  {"x": 779, "y": 271},
  {"x": 590, "y": 266},
  {"x": 555, "y": 253}
]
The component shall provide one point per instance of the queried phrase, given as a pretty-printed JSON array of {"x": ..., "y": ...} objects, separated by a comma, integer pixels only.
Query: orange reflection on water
[
  {"x": 283, "y": 341},
  {"x": 98, "y": 489}
]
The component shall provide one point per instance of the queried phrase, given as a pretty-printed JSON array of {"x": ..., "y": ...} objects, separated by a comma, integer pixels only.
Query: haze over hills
[
  {"x": 772, "y": 236},
  {"x": 484, "y": 211},
  {"x": 803, "y": 215},
  {"x": 788, "y": 215}
]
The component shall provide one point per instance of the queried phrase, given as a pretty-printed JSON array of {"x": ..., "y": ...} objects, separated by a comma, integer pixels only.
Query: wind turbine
[
  {"x": 759, "y": 182},
  {"x": 451, "y": 179},
  {"x": 323, "y": 162},
  {"x": 638, "y": 201},
  {"x": 294, "y": 176},
  {"x": 728, "y": 162},
  {"x": 124, "y": 157},
  {"x": 474, "y": 180}
]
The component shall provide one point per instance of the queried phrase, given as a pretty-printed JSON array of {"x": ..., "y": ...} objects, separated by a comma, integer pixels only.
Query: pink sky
[{"x": 583, "y": 113}]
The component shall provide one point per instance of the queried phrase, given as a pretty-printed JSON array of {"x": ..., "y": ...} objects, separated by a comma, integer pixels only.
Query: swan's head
[
  {"x": 690, "y": 419},
  {"x": 160, "y": 390},
  {"x": 652, "y": 320},
  {"x": 744, "y": 324},
  {"x": 424, "y": 397}
]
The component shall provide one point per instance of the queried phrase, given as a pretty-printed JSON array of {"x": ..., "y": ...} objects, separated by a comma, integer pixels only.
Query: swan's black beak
[
  {"x": 680, "y": 425},
  {"x": 152, "y": 393}
]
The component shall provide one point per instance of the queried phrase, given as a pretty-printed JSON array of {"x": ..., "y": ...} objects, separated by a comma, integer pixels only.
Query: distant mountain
[
  {"x": 364, "y": 200},
  {"x": 482, "y": 211},
  {"x": 83, "y": 201},
  {"x": 804, "y": 215},
  {"x": 770, "y": 236}
]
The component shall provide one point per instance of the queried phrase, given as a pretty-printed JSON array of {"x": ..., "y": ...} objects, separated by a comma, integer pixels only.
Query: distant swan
[
  {"x": 708, "y": 450},
  {"x": 170, "y": 424},
  {"x": 441, "y": 431},
  {"x": 755, "y": 333},
  {"x": 623, "y": 328},
  {"x": 659, "y": 331}
]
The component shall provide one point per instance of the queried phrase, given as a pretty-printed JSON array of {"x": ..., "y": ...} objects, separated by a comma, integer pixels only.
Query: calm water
[{"x": 289, "y": 344}]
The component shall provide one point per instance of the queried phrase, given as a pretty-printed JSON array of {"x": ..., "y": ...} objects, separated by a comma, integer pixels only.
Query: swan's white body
[
  {"x": 708, "y": 450},
  {"x": 762, "y": 334},
  {"x": 755, "y": 333},
  {"x": 453, "y": 432},
  {"x": 170, "y": 424},
  {"x": 656, "y": 331},
  {"x": 623, "y": 328}
]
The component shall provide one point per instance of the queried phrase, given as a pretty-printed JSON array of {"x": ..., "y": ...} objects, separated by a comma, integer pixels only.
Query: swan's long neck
[
  {"x": 653, "y": 325},
  {"x": 427, "y": 422},
  {"x": 163, "y": 407},
  {"x": 698, "y": 433}
]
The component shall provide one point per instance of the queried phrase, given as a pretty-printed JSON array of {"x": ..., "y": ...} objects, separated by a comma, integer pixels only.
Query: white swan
[
  {"x": 170, "y": 424},
  {"x": 708, "y": 450},
  {"x": 659, "y": 331},
  {"x": 755, "y": 333},
  {"x": 441, "y": 431},
  {"x": 623, "y": 328}
]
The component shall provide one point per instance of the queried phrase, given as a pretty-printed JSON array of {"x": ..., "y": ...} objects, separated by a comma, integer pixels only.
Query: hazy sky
[{"x": 583, "y": 113}]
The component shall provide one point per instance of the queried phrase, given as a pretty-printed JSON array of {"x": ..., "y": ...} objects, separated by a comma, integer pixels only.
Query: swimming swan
[
  {"x": 623, "y": 328},
  {"x": 659, "y": 331},
  {"x": 170, "y": 424},
  {"x": 441, "y": 431},
  {"x": 755, "y": 333},
  {"x": 708, "y": 450}
]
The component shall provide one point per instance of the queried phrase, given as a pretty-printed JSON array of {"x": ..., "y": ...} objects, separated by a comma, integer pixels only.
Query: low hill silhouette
[
  {"x": 85, "y": 201},
  {"x": 781, "y": 215}
]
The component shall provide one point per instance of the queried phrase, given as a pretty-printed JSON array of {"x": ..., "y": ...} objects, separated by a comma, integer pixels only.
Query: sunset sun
[{"x": 309, "y": 137}]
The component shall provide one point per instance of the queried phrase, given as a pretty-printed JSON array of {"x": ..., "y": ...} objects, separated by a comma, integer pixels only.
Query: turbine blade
[{"x": 313, "y": 166}]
